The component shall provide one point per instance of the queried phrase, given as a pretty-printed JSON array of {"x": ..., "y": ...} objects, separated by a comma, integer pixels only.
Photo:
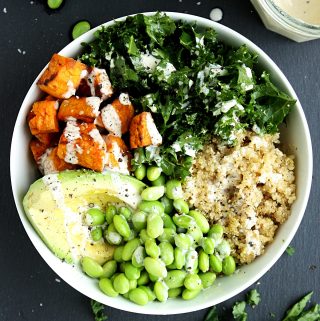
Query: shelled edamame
[{"x": 164, "y": 249}]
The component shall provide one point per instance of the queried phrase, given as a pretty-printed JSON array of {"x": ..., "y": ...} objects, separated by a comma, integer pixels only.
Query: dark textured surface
[{"x": 28, "y": 287}]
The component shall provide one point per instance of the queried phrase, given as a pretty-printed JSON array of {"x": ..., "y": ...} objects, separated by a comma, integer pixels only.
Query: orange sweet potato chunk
[
  {"x": 81, "y": 108},
  {"x": 50, "y": 139},
  {"x": 58, "y": 163},
  {"x": 37, "y": 148},
  {"x": 139, "y": 136},
  {"x": 62, "y": 76},
  {"x": 82, "y": 144},
  {"x": 43, "y": 117}
]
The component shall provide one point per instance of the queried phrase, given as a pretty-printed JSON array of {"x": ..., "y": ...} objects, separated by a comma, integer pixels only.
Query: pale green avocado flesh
[{"x": 57, "y": 203}]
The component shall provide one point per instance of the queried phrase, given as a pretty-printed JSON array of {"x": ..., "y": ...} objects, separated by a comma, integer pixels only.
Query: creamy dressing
[
  {"x": 111, "y": 120},
  {"x": 71, "y": 133},
  {"x": 98, "y": 77},
  {"x": 305, "y": 10},
  {"x": 94, "y": 103},
  {"x": 46, "y": 164},
  {"x": 124, "y": 99},
  {"x": 70, "y": 91}
]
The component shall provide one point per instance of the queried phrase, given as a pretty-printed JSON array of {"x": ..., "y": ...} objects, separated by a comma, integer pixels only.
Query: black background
[{"x": 29, "y": 35}]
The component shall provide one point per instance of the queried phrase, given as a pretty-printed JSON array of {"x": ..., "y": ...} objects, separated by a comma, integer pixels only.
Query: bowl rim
[{"x": 157, "y": 308}]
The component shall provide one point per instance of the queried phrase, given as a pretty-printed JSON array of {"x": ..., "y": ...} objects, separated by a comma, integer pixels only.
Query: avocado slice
[{"x": 56, "y": 204}]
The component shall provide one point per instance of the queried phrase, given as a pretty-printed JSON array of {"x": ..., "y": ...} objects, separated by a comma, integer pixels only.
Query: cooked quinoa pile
[{"x": 248, "y": 189}]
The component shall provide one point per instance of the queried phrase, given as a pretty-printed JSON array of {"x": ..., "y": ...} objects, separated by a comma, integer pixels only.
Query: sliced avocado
[{"x": 56, "y": 204}]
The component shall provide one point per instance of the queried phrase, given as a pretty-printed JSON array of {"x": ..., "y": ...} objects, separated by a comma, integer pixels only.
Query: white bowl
[{"x": 295, "y": 134}]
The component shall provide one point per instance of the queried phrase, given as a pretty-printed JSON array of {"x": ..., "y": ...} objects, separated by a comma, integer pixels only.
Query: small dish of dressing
[{"x": 298, "y": 20}]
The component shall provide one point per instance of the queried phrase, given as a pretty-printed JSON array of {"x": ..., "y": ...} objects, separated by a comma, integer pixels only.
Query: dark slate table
[{"x": 30, "y": 33}]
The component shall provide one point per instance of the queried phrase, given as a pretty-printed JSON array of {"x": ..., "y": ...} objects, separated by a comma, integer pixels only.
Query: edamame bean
[
  {"x": 154, "y": 225},
  {"x": 190, "y": 294},
  {"x": 179, "y": 257},
  {"x": 181, "y": 206},
  {"x": 183, "y": 220},
  {"x": 107, "y": 288},
  {"x": 132, "y": 235},
  {"x": 153, "y": 172},
  {"x": 168, "y": 222},
  {"x": 215, "y": 263},
  {"x": 138, "y": 296},
  {"x": 175, "y": 278},
  {"x": 203, "y": 261},
  {"x": 121, "y": 225},
  {"x": 223, "y": 248},
  {"x": 152, "y": 193},
  {"x": 171, "y": 266},
  {"x": 132, "y": 284},
  {"x": 125, "y": 212},
  {"x": 195, "y": 232},
  {"x": 139, "y": 220},
  {"x": 174, "y": 189},
  {"x": 228, "y": 265},
  {"x": 155, "y": 267},
  {"x": 94, "y": 217},
  {"x": 117, "y": 254},
  {"x": 201, "y": 221},
  {"x": 160, "y": 181},
  {"x": 174, "y": 293},
  {"x": 207, "y": 244},
  {"x": 121, "y": 283},
  {"x": 167, "y": 204},
  {"x": 192, "y": 282},
  {"x": 151, "y": 207},
  {"x": 191, "y": 261},
  {"x": 150, "y": 294},
  {"x": 166, "y": 253},
  {"x": 144, "y": 278},
  {"x": 138, "y": 256},
  {"x": 91, "y": 267},
  {"x": 153, "y": 278},
  {"x": 167, "y": 235},
  {"x": 207, "y": 279},
  {"x": 183, "y": 241},
  {"x": 109, "y": 268},
  {"x": 152, "y": 248},
  {"x": 80, "y": 28},
  {"x": 129, "y": 248},
  {"x": 131, "y": 272},
  {"x": 140, "y": 172},
  {"x": 144, "y": 236},
  {"x": 54, "y": 4},
  {"x": 96, "y": 234},
  {"x": 111, "y": 211},
  {"x": 113, "y": 238},
  {"x": 161, "y": 291},
  {"x": 216, "y": 232},
  {"x": 122, "y": 266}
]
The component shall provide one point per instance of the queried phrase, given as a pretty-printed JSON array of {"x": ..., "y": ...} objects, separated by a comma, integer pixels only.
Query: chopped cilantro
[
  {"x": 212, "y": 315},
  {"x": 253, "y": 298},
  {"x": 239, "y": 311},
  {"x": 290, "y": 250},
  {"x": 98, "y": 311}
]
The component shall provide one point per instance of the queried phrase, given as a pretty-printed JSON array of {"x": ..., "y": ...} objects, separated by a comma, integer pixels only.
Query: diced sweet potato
[
  {"x": 96, "y": 83},
  {"x": 49, "y": 97},
  {"x": 118, "y": 155},
  {"x": 116, "y": 117},
  {"x": 82, "y": 144},
  {"x": 98, "y": 122},
  {"x": 62, "y": 76},
  {"x": 49, "y": 140},
  {"x": 37, "y": 148},
  {"x": 81, "y": 108},
  {"x": 143, "y": 131},
  {"x": 43, "y": 117}
]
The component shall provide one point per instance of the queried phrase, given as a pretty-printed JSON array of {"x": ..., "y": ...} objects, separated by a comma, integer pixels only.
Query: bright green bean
[
  {"x": 144, "y": 236},
  {"x": 160, "y": 181},
  {"x": 113, "y": 238},
  {"x": 223, "y": 248},
  {"x": 151, "y": 207},
  {"x": 175, "y": 278},
  {"x": 167, "y": 204},
  {"x": 126, "y": 212},
  {"x": 54, "y": 4},
  {"x": 166, "y": 253},
  {"x": 216, "y": 232},
  {"x": 181, "y": 206},
  {"x": 161, "y": 291},
  {"x": 121, "y": 225},
  {"x": 190, "y": 294},
  {"x": 117, "y": 254},
  {"x": 138, "y": 256},
  {"x": 168, "y": 222},
  {"x": 203, "y": 260},
  {"x": 140, "y": 172},
  {"x": 174, "y": 293},
  {"x": 191, "y": 261},
  {"x": 201, "y": 221},
  {"x": 91, "y": 267},
  {"x": 111, "y": 211},
  {"x": 144, "y": 278},
  {"x": 94, "y": 217},
  {"x": 167, "y": 235},
  {"x": 195, "y": 232},
  {"x": 207, "y": 279},
  {"x": 96, "y": 234},
  {"x": 183, "y": 241},
  {"x": 208, "y": 244},
  {"x": 139, "y": 220},
  {"x": 154, "y": 225},
  {"x": 138, "y": 296},
  {"x": 129, "y": 248},
  {"x": 150, "y": 293},
  {"x": 80, "y": 28},
  {"x": 152, "y": 193},
  {"x": 171, "y": 266},
  {"x": 183, "y": 220},
  {"x": 215, "y": 263},
  {"x": 155, "y": 267},
  {"x": 179, "y": 257},
  {"x": 174, "y": 189},
  {"x": 122, "y": 266},
  {"x": 153, "y": 173},
  {"x": 228, "y": 265},
  {"x": 109, "y": 268},
  {"x": 132, "y": 284},
  {"x": 121, "y": 283},
  {"x": 152, "y": 248},
  {"x": 131, "y": 272},
  {"x": 107, "y": 288},
  {"x": 192, "y": 282},
  {"x": 153, "y": 278},
  {"x": 133, "y": 234}
]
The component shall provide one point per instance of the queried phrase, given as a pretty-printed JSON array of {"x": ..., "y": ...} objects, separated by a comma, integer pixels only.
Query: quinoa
[{"x": 248, "y": 189}]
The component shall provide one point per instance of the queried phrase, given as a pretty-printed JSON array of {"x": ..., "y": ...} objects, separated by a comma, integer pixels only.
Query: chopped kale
[
  {"x": 98, "y": 311},
  {"x": 239, "y": 311},
  {"x": 212, "y": 315},
  {"x": 253, "y": 298},
  {"x": 297, "y": 311}
]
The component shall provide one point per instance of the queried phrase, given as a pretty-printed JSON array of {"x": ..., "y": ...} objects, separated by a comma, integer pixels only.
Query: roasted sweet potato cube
[
  {"x": 49, "y": 140},
  {"x": 98, "y": 122},
  {"x": 143, "y": 131},
  {"x": 62, "y": 76},
  {"x": 43, "y": 117},
  {"x": 81, "y": 108},
  {"x": 82, "y": 144},
  {"x": 118, "y": 155},
  {"x": 37, "y": 148},
  {"x": 96, "y": 83},
  {"x": 117, "y": 116},
  {"x": 49, "y": 97}
]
